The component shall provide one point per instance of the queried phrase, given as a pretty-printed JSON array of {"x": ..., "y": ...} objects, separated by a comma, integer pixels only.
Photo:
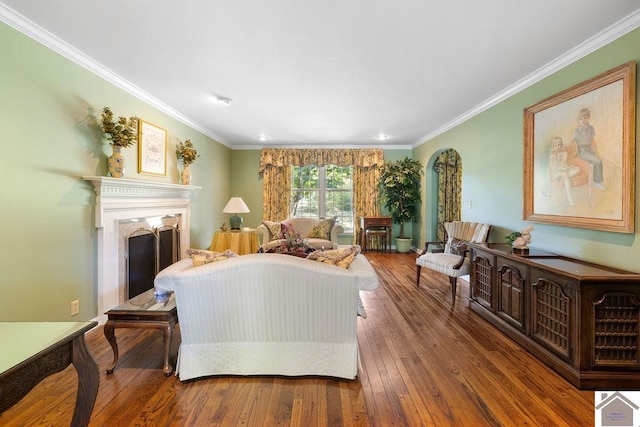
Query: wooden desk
[
  {"x": 31, "y": 351},
  {"x": 374, "y": 222},
  {"x": 240, "y": 242}
]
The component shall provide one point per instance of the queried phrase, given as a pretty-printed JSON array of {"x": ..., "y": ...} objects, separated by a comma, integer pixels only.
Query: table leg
[
  {"x": 109, "y": 333},
  {"x": 88, "y": 381},
  {"x": 167, "y": 332},
  {"x": 389, "y": 238}
]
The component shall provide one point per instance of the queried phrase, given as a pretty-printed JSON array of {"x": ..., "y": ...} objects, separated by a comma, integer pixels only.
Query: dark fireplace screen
[{"x": 148, "y": 252}]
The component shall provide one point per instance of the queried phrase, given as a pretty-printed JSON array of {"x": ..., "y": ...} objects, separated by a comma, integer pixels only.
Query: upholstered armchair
[{"x": 450, "y": 257}]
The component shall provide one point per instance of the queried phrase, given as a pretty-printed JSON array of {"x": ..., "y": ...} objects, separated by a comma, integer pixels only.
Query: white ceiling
[{"x": 323, "y": 73}]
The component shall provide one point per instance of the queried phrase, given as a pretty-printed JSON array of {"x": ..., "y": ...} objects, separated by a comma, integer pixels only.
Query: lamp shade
[{"x": 235, "y": 206}]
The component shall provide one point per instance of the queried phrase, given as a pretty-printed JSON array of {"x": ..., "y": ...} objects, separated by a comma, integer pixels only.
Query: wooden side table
[
  {"x": 143, "y": 311},
  {"x": 240, "y": 242},
  {"x": 374, "y": 222}
]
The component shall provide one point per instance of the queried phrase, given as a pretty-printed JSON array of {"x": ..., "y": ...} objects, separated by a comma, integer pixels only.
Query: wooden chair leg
[
  {"x": 418, "y": 268},
  {"x": 454, "y": 284}
]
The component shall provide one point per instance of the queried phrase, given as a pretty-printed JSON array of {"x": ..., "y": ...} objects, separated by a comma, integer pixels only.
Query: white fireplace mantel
[
  {"x": 120, "y": 193},
  {"x": 119, "y": 199}
]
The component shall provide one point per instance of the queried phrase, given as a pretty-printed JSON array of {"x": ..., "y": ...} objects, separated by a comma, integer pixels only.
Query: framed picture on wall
[
  {"x": 152, "y": 149},
  {"x": 579, "y": 154}
]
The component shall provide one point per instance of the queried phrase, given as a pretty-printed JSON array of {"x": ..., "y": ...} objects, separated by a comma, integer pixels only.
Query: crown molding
[
  {"x": 44, "y": 37},
  {"x": 615, "y": 31},
  {"x": 325, "y": 146}
]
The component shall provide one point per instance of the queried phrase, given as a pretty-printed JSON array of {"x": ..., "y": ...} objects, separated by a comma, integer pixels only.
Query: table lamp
[{"x": 235, "y": 206}]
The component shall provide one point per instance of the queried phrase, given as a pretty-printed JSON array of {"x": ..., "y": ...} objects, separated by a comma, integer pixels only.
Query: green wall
[
  {"x": 246, "y": 183},
  {"x": 48, "y": 250},
  {"x": 491, "y": 147}
]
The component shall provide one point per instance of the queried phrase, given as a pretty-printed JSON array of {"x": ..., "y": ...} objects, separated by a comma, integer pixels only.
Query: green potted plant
[
  {"x": 186, "y": 152},
  {"x": 120, "y": 133},
  {"x": 400, "y": 193}
]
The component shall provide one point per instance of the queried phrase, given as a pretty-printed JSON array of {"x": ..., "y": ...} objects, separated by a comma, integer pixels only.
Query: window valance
[{"x": 281, "y": 157}]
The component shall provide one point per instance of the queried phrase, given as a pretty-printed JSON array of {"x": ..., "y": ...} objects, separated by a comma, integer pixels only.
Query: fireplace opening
[{"x": 149, "y": 250}]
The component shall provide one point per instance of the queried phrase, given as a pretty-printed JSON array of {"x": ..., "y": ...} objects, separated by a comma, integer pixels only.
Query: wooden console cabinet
[{"x": 581, "y": 319}]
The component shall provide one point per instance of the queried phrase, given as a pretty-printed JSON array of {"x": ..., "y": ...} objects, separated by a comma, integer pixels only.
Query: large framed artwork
[
  {"x": 579, "y": 154},
  {"x": 152, "y": 149}
]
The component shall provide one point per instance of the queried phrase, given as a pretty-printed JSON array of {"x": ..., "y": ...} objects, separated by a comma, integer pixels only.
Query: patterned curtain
[
  {"x": 275, "y": 168},
  {"x": 276, "y": 192},
  {"x": 366, "y": 195},
  {"x": 449, "y": 169}
]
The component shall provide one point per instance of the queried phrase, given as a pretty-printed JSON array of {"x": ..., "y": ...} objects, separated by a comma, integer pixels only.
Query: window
[{"x": 323, "y": 191}]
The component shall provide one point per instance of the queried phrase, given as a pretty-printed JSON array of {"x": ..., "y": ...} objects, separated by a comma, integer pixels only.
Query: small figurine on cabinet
[
  {"x": 223, "y": 227},
  {"x": 522, "y": 241}
]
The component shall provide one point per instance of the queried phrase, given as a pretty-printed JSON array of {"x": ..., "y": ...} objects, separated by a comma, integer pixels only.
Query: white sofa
[
  {"x": 304, "y": 227},
  {"x": 268, "y": 314}
]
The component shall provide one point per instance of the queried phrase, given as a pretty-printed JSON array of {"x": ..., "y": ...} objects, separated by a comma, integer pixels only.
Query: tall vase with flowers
[
  {"x": 186, "y": 152},
  {"x": 121, "y": 133}
]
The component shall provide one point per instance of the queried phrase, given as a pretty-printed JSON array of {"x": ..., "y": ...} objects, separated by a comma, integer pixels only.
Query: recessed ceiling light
[
  {"x": 381, "y": 137},
  {"x": 262, "y": 138},
  {"x": 219, "y": 99}
]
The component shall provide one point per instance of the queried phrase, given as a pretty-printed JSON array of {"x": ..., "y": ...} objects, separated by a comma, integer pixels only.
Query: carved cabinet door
[
  {"x": 616, "y": 330},
  {"x": 482, "y": 278},
  {"x": 511, "y": 289},
  {"x": 553, "y": 322}
]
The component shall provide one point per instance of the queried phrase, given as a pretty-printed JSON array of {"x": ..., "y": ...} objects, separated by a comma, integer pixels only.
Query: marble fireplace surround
[{"x": 118, "y": 201}]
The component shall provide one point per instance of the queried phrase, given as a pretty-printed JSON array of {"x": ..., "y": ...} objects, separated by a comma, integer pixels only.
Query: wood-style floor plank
[{"x": 424, "y": 361}]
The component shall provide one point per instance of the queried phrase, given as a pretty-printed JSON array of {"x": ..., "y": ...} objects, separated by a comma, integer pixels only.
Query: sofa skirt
[{"x": 338, "y": 360}]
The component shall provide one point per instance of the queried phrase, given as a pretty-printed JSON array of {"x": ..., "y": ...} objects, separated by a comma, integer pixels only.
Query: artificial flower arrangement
[
  {"x": 120, "y": 133},
  {"x": 186, "y": 152},
  {"x": 293, "y": 242}
]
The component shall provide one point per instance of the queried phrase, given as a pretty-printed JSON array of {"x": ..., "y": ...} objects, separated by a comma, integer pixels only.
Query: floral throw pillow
[
  {"x": 322, "y": 230},
  {"x": 274, "y": 229},
  {"x": 287, "y": 232},
  {"x": 202, "y": 257},
  {"x": 457, "y": 246},
  {"x": 339, "y": 257}
]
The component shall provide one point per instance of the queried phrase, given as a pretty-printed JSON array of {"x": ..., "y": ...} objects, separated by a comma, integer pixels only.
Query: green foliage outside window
[{"x": 322, "y": 192}]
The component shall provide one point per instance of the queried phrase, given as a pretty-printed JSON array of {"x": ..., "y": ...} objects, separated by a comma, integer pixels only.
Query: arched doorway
[{"x": 448, "y": 167}]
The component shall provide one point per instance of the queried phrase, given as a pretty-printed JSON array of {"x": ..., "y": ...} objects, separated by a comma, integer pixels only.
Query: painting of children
[
  {"x": 573, "y": 175},
  {"x": 559, "y": 169},
  {"x": 585, "y": 139}
]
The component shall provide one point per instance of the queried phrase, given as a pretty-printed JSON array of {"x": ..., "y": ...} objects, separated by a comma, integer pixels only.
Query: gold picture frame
[
  {"x": 152, "y": 149},
  {"x": 579, "y": 154}
]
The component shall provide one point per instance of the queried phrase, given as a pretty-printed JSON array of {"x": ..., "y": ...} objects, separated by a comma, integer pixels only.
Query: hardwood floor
[{"x": 424, "y": 362}]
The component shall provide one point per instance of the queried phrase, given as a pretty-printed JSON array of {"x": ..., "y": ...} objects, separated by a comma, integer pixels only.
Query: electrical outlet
[{"x": 75, "y": 307}]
